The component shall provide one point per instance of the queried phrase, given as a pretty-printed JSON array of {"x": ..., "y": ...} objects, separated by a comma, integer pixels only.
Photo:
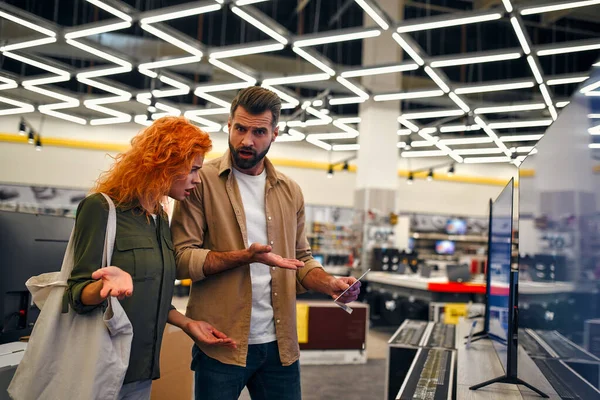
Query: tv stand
[{"x": 510, "y": 381}]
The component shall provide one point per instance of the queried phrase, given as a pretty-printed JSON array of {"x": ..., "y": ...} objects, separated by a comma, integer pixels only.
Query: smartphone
[{"x": 343, "y": 306}]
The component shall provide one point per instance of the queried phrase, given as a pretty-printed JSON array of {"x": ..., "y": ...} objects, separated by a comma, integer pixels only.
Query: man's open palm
[{"x": 263, "y": 254}]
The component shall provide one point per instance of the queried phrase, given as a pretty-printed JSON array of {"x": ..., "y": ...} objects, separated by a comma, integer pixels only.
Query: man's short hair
[{"x": 257, "y": 100}]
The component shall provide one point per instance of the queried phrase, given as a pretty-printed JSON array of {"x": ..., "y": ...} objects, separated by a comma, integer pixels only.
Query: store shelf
[{"x": 444, "y": 236}]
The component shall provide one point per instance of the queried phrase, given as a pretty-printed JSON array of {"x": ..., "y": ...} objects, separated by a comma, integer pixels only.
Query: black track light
[
  {"x": 346, "y": 166},
  {"x": 22, "y": 127},
  {"x": 38, "y": 143},
  {"x": 303, "y": 117},
  {"x": 149, "y": 114},
  {"x": 410, "y": 179},
  {"x": 31, "y": 137},
  {"x": 408, "y": 142},
  {"x": 330, "y": 171},
  {"x": 451, "y": 170},
  {"x": 430, "y": 175},
  {"x": 326, "y": 101}
]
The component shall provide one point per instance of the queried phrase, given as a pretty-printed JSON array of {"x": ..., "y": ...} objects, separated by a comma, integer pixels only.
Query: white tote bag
[{"x": 70, "y": 355}]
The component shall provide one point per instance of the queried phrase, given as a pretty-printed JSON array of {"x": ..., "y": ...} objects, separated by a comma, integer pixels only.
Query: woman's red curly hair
[{"x": 161, "y": 153}]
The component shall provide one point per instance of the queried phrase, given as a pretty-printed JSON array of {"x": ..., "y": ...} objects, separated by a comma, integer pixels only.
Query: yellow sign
[
  {"x": 302, "y": 322},
  {"x": 453, "y": 311}
]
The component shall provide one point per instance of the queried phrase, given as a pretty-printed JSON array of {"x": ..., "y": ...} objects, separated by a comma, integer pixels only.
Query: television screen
[
  {"x": 500, "y": 253},
  {"x": 444, "y": 247},
  {"x": 319, "y": 258},
  {"x": 456, "y": 226}
]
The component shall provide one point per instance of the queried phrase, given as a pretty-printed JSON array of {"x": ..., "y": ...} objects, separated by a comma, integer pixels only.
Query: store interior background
[{"x": 73, "y": 155}]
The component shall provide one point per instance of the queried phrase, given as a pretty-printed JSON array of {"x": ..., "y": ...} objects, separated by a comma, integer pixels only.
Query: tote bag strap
[{"x": 111, "y": 231}]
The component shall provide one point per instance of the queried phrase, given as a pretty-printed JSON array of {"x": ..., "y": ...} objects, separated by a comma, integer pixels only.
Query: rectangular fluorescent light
[
  {"x": 143, "y": 68},
  {"x": 534, "y": 68},
  {"x": 590, "y": 87},
  {"x": 408, "y": 95},
  {"x": 27, "y": 24},
  {"x": 483, "y": 160},
  {"x": 246, "y": 50},
  {"x": 558, "y": 7},
  {"x": 446, "y": 22},
  {"x": 349, "y": 120},
  {"x": 475, "y": 60},
  {"x": 379, "y": 20},
  {"x": 472, "y": 152},
  {"x": 359, "y": 92},
  {"x": 350, "y": 132},
  {"x": 98, "y": 30},
  {"x": 459, "y": 102},
  {"x": 439, "y": 81},
  {"x": 507, "y": 5},
  {"x": 319, "y": 143},
  {"x": 283, "y": 96},
  {"x": 593, "y": 116},
  {"x": 423, "y": 153},
  {"x": 568, "y": 49},
  {"x": 287, "y": 80},
  {"x": 521, "y": 138},
  {"x": 314, "y": 61},
  {"x": 422, "y": 143},
  {"x": 291, "y": 136},
  {"x": 346, "y": 100},
  {"x": 433, "y": 114},
  {"x": 246, "y": 2},
  {"x": 401, "y": 145},
  {"x": 520, "y": 124},
  {"x": 337, "y": 38},
  {"x": 38, "y": 64},
  {"x": 211, "y": 98},
  {"x": 594, "y": 145},
  {"x": 409, "y": 50},
  {"x": 595, "y": 130},
  {"x": 20, "y": 107},
  {"x": 379, "y": 70},
  {"x": 459, "y": 128},
  {"x": 111, "y": 10},
  {"x": 404, "y": 132},
  {"x": 57, "y": 114},
  {"x": 494, "y": 88},
  {"x": 106, "y": 56},
  {"x": 525, "y": 149},
  {"x": 553, "y": 112},
  {"x": 507, "y": 109},
  {"x": 224, "y": 87},
  {"x": 520, "y": 35},
  {"x": 566, "y": 81},
  {"x": 258, "y": 24},
  {"x": 233, "y": 71},
  {"x": 346, "y": 147},
  {"x": 29, "y": 43},
  {"x": 562, "y": 104},
  {"x": 170, "y": 39},
  {"x": 408, "y": 124},
  {"x": 486, "y": 128},
  {"x": 211, "y": 111},
  {"x": 476, "y": 140},
  {"x": 546, "y": 95},
  {"x": 181, "y": 13}
]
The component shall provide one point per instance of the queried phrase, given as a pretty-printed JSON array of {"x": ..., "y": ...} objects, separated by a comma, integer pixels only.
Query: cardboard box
[{"x": 176, "y": 378}]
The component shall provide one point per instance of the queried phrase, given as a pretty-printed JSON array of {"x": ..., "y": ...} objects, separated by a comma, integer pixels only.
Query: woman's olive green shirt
[{"x": 144, "y": 249}]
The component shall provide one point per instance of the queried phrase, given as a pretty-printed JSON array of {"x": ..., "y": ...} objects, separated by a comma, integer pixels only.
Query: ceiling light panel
[
  {"x": 411, "y": 95},
  {"x": 563, "y": 5},
  {"x": 374, "y": 14},
  {"x": 258, "y": 24},
  {"x": 475, "y": 60},
  {"x": 379, "y": 70},
  {"x": 495, "y": 87},
  {"x": 336, "y": 38},
  {"x": 447, "y": 20}
]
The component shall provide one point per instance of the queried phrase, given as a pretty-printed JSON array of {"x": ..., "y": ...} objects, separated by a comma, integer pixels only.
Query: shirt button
[
  {"x": 272, "y": 242},
  {"x": 278, "y": 321},
  {"x": 269, "y": 218},
  {"x": 275, "y": 294},
  {"x": 273, "y": 268}
]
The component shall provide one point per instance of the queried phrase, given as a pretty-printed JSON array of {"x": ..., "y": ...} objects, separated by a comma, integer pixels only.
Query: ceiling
[{"x": 480, "y": 80}]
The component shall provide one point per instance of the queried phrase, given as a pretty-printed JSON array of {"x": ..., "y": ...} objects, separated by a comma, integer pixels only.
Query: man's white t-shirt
[{"x": 252, "y": 190}]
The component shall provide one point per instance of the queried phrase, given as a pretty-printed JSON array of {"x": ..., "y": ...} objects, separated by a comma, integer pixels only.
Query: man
[{"x": 241, "y": 238}]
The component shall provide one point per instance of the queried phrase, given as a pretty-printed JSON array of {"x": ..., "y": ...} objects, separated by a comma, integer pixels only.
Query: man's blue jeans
[{"x": 264, "y": 376}]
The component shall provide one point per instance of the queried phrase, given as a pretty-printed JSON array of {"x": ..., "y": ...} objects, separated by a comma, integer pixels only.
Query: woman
[{"x": 164, "y": 159}]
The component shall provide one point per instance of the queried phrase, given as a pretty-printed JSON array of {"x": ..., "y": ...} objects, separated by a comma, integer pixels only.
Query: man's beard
[{"x": 247, "y": 163}]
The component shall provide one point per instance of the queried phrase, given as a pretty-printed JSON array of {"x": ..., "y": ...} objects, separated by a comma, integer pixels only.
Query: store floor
[{"x": 348, "y": 382}]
